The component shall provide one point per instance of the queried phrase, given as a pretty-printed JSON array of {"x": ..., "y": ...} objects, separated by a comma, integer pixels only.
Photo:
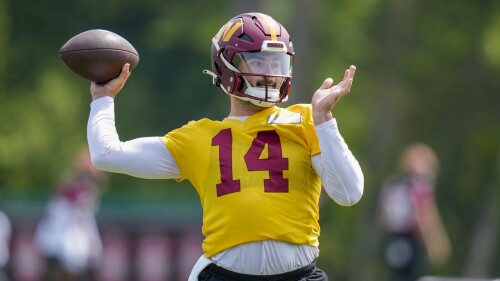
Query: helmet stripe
[
  {"x": 271, "y": 26},
  {"x": 230, "y": 32}
]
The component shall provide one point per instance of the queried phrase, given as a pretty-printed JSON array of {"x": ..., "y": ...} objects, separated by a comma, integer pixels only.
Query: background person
[
  {"x": 409, "y": 215},
  {"x": 67, "y": 235}
]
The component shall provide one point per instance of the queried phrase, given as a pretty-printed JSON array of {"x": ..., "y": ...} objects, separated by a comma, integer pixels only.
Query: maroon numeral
[
  {"x": 224, "y": 139},
  {"x": 274, "y": 163}
]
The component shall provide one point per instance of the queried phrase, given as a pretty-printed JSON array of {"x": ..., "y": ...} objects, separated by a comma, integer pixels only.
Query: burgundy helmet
[{"x": 252, "y": 58}]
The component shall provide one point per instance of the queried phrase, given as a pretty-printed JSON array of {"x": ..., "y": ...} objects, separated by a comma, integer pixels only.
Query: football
[{"x": 98, "y": 55}]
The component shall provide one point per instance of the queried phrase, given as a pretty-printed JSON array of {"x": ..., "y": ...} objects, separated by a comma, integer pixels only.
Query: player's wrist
[
  {"x": 99, "y": 91},
  {"x": 320, "y": 117},
  {"x": 98, "y": 96}
]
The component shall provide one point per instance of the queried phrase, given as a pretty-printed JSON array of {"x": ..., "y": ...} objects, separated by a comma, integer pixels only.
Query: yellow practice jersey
[{"x": 254, "y": 177}]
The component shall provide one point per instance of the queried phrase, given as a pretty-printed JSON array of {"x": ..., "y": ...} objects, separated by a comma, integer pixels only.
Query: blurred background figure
[
  {"x": 5, "y": 234},
  {"x": 67, "y": 235},
  {"x": 410, "y": 218}
]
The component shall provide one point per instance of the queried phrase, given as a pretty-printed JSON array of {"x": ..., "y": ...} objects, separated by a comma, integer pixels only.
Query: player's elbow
[
  {"x": 357, "y": 188},
  {"x": 345, "y": 195},
  {"x": 353, "y": 194},
  {"x": 100, "y": 161},
  {"x": 355, "y": 197}
]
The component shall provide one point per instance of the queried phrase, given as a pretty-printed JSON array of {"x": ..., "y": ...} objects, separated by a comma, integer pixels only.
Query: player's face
[
  {"x": 265, "y": 64},
  {"x": 260, "y": 64}
]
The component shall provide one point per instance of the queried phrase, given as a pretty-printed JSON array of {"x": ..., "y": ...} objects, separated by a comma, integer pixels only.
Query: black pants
[{"x": 308, "y": 273}]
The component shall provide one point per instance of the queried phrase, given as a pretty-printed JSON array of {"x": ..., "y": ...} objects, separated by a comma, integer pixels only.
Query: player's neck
[{"x": 243, "y": 108}]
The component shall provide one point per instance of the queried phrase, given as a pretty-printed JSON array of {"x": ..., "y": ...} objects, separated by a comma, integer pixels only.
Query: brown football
[{"x": 98, "y": 55}]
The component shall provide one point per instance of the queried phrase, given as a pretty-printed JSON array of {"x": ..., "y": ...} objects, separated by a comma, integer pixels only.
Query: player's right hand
[{"x": 111, "y": 88}]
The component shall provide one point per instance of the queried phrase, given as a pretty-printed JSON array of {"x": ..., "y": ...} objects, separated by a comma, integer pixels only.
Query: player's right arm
[{"x": 146, "y": 157}]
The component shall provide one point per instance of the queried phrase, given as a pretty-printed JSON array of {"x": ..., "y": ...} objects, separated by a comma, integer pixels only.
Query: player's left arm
[{"x": 339, "y": 170}]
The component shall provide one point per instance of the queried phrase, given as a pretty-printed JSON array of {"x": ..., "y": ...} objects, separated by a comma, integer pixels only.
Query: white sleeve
[
  {"x": 146, "y": 157},
  {"x": 339, "y": 171}
]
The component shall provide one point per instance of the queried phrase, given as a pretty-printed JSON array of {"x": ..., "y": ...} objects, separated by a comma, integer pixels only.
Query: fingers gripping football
[{"x": 111, "y": 88}]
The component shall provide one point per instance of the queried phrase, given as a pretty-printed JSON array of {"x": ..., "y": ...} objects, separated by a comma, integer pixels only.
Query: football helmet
[{"x": 252, "y": 57}]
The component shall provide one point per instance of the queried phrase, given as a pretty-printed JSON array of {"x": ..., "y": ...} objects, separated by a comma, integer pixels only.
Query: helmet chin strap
[
  {"x": 258, "y": 92},
  {"x": 261, "y": 103}
]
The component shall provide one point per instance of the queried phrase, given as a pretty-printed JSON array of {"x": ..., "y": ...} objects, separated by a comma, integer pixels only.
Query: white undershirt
[{"x": 149, "y": 158}]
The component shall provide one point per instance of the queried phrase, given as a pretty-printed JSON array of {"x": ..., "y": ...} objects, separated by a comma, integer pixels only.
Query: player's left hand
[{"x": 325, "y": 98}]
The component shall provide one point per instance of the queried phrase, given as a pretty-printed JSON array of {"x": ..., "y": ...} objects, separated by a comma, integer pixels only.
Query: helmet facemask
[{"x": 262, "y": 76}]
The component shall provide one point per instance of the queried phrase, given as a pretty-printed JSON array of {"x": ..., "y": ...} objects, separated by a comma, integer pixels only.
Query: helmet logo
[
  {"x": 227, "y": 31},
  {"x": 273, "y": 46}
]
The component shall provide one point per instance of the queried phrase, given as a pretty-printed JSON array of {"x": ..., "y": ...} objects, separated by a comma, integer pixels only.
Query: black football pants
[{"x": 309, "y": 273}]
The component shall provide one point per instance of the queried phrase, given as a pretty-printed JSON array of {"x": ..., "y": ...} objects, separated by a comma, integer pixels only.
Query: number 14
[{"x": 275, "y": 163}]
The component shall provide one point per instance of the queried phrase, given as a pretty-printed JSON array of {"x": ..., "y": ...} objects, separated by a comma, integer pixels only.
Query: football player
[{"x": 260, "y": 171}]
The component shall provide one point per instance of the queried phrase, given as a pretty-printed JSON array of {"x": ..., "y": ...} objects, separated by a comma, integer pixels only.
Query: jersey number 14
[{"x": 274, "y": 163}]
